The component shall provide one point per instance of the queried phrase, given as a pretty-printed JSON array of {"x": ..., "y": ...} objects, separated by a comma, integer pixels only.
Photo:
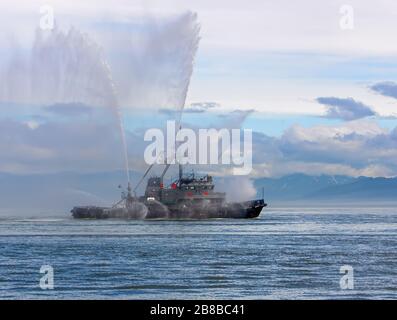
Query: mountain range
[
  {"x": 62, "y": 191},
  {"x": 327, "y": 188}
]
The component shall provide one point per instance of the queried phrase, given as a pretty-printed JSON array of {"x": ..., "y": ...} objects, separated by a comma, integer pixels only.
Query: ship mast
[
  {"x": 179, "y": 164},
  {"x": 167, "y": 165},
  {"x": 180, "y": 173},
  {"x": 129, "y": 199}
]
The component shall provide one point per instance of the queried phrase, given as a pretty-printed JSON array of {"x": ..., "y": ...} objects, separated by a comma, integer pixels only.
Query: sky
[{"x": 321, "y": 98}]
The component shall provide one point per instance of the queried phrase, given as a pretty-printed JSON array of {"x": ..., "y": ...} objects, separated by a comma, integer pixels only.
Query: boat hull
[{"x": 154, "y": 210}]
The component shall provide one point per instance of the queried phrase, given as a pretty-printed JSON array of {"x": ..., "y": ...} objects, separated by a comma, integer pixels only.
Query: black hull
[{"x": 148, "y": 210}]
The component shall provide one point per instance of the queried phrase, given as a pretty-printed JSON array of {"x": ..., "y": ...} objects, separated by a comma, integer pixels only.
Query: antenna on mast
[{"x": 179, "y": 164}]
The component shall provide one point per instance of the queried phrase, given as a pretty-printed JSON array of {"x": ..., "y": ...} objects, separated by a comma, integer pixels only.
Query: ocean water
[{"x": 288, "y": 253}]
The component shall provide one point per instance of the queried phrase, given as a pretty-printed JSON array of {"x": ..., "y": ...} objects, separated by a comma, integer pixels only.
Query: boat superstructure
[{"x": 189, "y": 197}]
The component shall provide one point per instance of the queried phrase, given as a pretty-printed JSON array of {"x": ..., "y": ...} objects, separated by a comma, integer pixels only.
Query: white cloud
[
  {"x": 246, "y": 32},
  {"x": 93, "y": 144},
  {"x": 353, "y": 148}
]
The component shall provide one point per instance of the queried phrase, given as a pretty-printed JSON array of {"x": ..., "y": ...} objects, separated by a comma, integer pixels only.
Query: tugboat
[{"x": 188, "y": 197}]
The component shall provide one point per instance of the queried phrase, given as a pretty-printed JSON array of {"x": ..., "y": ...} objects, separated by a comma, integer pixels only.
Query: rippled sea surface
[{"x": 285, "y": 254}]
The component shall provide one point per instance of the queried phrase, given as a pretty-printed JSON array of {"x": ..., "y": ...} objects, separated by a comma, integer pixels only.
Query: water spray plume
[
  {"x": 69, "y": 67},
  {"x": 64, "y": 67},
  {"x": 187, "y": 51},
  {"x": 116, "y": 106},
  {"x": 192, "y": 39}
]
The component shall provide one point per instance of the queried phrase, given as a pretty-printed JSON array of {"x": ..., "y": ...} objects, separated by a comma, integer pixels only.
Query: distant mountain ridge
[
  {"x": 324, "y": 187},
  {"x": 61, "y": 191}
]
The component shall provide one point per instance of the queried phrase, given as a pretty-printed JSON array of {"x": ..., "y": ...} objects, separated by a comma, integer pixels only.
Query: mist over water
[
  {"x": 161, "y": 210},
  {"x": 237, "y": 188}
]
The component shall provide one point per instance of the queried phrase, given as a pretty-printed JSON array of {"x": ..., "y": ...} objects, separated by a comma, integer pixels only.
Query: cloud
[
  {"x": 345, "y": 108},
  {"x": 73, "y": 144},
  {"x": 387, "y": 88},
  {"x": 197, "y": 107},
  {"x": 358, "y": 147},
  {"x": 235, "y": 118},
  {"x": 200, "y": 107},
  {"x": 296, "y": 32},
  {"x": 203, "y": 106}
]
